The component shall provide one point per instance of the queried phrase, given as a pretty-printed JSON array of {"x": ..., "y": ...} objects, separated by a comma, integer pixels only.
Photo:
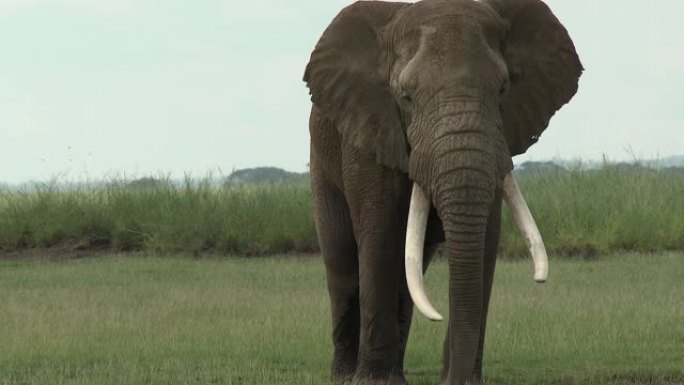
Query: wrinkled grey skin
[{"x": 441, "y": 93}]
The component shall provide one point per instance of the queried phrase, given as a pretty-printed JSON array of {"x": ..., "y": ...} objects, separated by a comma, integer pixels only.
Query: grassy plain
[
  {"x": 178, "y": 320},
  {"x": 195, "y": 218},
  {"x": 579, "y": 212}
]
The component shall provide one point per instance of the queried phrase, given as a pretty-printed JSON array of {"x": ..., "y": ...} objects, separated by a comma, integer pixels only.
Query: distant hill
[
  {"x": 538, "y": 168},
  {"x": 146, "y": 183},
  {"x": 258, "y": 175},
  {"x": 545, "y": 167},
  {"x": 264, "y": 175},
  {"x": 675, "y": 161}
]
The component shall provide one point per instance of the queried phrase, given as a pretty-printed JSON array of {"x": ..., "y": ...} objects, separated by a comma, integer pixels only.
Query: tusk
[
  {"x": 523, "y": 218},
  {"x": 415, "y": 242}
]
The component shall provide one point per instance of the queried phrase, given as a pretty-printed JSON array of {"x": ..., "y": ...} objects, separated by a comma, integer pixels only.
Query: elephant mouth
[{"x": 415, "y": 240}]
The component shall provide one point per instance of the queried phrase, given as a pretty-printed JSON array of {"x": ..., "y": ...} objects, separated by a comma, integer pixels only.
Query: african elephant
[{"x": 417, "y": 111}]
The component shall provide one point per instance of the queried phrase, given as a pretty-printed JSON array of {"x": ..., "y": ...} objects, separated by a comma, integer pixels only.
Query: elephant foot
[
  {"x": 342, "y": 375},
  {"x": 470, "y": 381},
  {"x": 343, "y": 367},
  {"x": 393, "y": 379},
  {"x": 342, "y": 378}
]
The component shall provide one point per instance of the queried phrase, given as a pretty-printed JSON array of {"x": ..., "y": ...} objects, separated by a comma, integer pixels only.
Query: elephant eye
[
  {"x": 406, "y": 98},
  {"x": 505, "y": 86}
]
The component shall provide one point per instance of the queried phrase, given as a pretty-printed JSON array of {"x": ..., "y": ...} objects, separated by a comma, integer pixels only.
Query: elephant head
[{"x": 447, "y": 91}]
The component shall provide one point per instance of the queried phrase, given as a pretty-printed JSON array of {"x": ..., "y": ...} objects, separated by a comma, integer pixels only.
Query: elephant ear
[
  {"x": 543, "y": 66},
  {"x": 347, "y": 77}
]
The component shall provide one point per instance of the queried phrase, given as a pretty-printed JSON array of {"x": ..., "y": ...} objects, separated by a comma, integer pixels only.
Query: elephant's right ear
[{"x": 347, "y": 76}]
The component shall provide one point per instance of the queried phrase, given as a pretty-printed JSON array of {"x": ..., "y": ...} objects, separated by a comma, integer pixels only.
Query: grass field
[
  {"x": 147, "y": 320},
  {"x": 579, "y": 212}
]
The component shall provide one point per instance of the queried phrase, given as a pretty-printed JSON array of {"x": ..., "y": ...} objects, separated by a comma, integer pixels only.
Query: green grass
[
  {"x": 196, "y": 218},
  {"x": 588, "y": 212},
  {"x": 579, "y": 212},
  {"x": 147, "y": 320}
]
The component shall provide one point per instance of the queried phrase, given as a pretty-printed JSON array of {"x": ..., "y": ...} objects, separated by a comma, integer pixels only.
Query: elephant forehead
[
  {"x": 454, "y": 21},
  {"x": 440, "y": 11}
]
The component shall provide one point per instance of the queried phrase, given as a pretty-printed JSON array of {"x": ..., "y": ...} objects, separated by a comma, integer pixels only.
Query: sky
[{"x": 93, "y": 89}]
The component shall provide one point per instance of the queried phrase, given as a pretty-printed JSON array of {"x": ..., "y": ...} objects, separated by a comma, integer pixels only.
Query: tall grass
[
  {"x": 580, "y": 212},
  {"x": 587, "y": 212},
  {"x": 194, "y": 218}
]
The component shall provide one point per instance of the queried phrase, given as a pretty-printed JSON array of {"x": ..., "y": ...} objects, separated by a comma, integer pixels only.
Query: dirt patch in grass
[
  {"x": 61, "y": 252},
  {"x": 645, "y": 379},
  {"x": 69, "y": 252}
]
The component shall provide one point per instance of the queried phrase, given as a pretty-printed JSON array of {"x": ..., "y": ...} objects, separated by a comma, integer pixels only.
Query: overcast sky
[{"x": 103, "y": 88}]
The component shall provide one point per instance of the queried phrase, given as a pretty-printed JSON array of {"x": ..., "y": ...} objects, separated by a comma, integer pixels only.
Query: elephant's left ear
[
  {"x": 543, "y": 66},
  {"x": 348, "y": 80}
]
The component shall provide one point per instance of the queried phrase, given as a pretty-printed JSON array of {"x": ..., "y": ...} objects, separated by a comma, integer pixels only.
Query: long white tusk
[
  {"x": 415, "y": 241},
  {"x": 523, "y": 218}
]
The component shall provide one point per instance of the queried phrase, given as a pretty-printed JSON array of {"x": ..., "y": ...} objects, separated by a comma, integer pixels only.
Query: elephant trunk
[
  {"x": 463, "y": 194},
  {"x": 462, "y": 187}
]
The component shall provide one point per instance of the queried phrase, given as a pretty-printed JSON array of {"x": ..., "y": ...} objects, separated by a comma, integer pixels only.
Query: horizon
[
  {"x": 676, "y": 161},
  {"x": 91, "y": 90}
]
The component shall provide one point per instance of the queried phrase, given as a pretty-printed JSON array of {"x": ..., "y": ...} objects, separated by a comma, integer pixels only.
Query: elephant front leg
[
  {"x": 380, "y": 350},
  {"x": 344, "y": 302},
  {"x": 378, "y": 202}
]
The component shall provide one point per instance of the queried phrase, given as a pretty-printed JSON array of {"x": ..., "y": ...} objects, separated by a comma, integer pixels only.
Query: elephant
[{"x": 417, "y": 111}]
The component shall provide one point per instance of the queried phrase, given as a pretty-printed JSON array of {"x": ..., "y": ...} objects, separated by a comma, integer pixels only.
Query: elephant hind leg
[{"x": 338, "y": 246}]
